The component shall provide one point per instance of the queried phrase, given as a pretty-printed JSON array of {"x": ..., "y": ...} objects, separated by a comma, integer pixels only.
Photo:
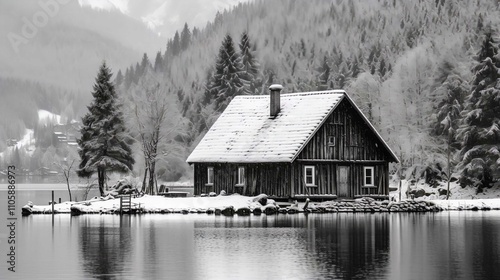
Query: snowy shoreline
[{"x": 245, "y": 205}]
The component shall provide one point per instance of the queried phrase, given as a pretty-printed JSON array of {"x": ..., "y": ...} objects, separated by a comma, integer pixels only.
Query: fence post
[{"x": 53, "y": 203}]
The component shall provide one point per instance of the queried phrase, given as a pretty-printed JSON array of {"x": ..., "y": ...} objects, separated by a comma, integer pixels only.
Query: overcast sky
[{"x": 166, "y": 16}]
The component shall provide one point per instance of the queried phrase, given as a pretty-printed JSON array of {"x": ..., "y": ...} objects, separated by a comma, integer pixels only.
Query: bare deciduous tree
[
  {"x": 155, "y": 120},
  {"x": 66, "y": 170}
]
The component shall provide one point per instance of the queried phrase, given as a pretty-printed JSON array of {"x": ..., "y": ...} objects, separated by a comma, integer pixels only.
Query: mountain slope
[
  {"x": 67, "y": 49},
  {"x": 388, "y": 55}
]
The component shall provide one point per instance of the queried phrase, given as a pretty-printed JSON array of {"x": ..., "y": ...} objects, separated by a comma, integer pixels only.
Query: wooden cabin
[{"x": 310, "y": 144}]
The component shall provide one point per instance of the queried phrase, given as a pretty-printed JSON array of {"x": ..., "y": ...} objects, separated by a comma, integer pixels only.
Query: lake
[{"x": 445, "y": 245}]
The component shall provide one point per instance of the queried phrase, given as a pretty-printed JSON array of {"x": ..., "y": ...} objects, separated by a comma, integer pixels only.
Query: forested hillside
[
  {"x": 407, "y": 64},
  {"x": 424, "y": 72},
  {"x": 50, "y": 66}
]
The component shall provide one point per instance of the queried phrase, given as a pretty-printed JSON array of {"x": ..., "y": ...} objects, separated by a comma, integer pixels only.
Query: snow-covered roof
[{"x": 244, "y": 132}]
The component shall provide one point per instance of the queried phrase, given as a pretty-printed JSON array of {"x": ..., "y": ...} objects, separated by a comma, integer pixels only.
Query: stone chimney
[{"x": 274, "y": 97}]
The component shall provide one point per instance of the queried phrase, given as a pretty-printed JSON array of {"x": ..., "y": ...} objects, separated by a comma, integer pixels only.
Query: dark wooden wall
[
  {"x": 286, "y": 180},
  {"x": 326, "y": 179},
  {"x": 270, "y": 178},
  {"x": 354, "y": 140}
]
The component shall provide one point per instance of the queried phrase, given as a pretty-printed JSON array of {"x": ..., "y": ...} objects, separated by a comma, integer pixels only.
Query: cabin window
[
  {"x": 241, "y": 175},
  {"x": 210, "y": 175},
  {"x": 331, "y": 140},
  {"x": 369, "y": 176},
  {"x": 309, "y": 175}
]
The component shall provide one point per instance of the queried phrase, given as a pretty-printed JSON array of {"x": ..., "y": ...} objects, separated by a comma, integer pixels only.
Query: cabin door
[{"x": 343, "y": 181}]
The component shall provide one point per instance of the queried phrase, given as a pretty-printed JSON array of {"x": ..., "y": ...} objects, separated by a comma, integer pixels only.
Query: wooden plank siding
[
  {"x": 354, "y": 140},
  {"x": 272, "y": 179},
  {"x": 286, "y": 180},
  {"x": 327, "y": 181},
  {"x": 354, "y": 145}
]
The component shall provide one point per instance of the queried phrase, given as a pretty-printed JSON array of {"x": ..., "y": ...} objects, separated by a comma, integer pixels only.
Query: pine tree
[
  {"x": 128, "y": 77},
  {"x": 448, "y": 97},
  {"x": 176, "y": 44},
  {"x": 136, "y": 73},
  {"x": 185, "y": 37},
  {"x": 323, "y": 74},
  {"x": 119, "y": 78},
  {"x": 250, "y": 64},
  {"x": 479, "y": 131},
  {"x": 354, "y": 69},
  {"x": 227, "y": 80},
  {"x": 103, "y": 145},
  {"x": 158, "y": 62},
  {"x": 169, "y": 51},
  {"x": 209, "y": 93},
  {"x": 145, "y": 65}
]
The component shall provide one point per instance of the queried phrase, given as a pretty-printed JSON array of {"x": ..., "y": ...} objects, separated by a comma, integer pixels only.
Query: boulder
[
  {"x": 257, "y": 211},
  {"x": 75, "y": 210},
  {"x": 269, "y": 209},
  {"x": 243, "y": 211},
  {"x": 26, "y": 210},
  {"x": 261, "y": 198},
  {"x": 442, "y": 191},
  {"x": 293, "y": 209},
  {"x": 282, "y": 210},
  {"x": 418, "y": 193},
  {"x": 228, "y": 211}
]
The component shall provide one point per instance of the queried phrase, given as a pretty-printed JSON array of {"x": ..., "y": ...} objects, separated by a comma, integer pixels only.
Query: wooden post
[
  {"x": 53, "y": 203},
  {"x": 400, "y": 171},
  {"x": 449, "y": 167},
  {"x": 121, "y": 205}
]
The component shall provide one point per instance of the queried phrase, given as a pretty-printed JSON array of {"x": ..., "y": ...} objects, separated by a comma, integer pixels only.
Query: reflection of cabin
[{"x": 316, "y": 144}]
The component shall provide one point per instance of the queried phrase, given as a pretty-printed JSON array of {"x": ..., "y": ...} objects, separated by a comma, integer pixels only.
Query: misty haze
[{"x": 250, "y": 139}]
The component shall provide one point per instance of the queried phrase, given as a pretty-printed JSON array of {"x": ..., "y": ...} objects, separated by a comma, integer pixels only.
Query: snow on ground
[
  {"x": 456, "y": 191},
  {"x": 155, "y": 204},
  {"x": 46, "y": 116},
  {"x": 27, "y": 143},
  {"x": 468, "y": 204},
  {"x": 460, "y": 198}
]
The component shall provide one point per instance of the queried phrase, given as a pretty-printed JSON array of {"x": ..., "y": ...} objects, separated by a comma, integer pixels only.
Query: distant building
[
  {"x": 310, "y": 144},
  {"x": 66, "y": 133},
  {"x": 11, "y": 142}
]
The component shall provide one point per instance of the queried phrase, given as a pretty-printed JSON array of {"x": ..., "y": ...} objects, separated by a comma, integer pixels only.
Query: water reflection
[
  {"x": 147, "y": 247},
  {"x": 105, "y": 245},
  {"x": 314, "y": 246},
  {"x": 447, "y": 245},
  {"x": 350, "y": 246}
]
